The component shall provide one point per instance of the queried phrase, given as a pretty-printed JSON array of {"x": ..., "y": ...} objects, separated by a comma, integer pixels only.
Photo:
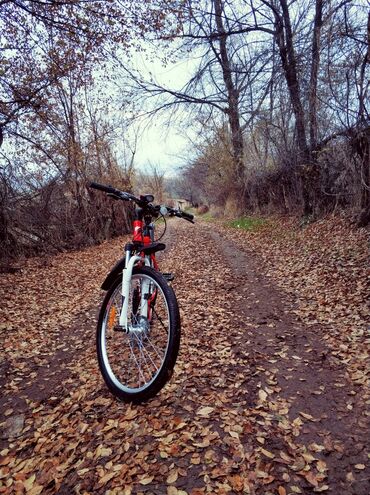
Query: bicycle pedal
[{"x": 168, "y": 276}]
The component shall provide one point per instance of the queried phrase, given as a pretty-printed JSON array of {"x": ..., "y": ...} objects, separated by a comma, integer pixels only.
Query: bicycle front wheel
[{"x": 137, "y": 361}]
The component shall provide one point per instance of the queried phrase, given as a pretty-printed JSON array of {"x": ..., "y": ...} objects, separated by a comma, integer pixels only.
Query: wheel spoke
[
  {"x": 159, "y": 319},
  {"x": 140, "y": 374}
]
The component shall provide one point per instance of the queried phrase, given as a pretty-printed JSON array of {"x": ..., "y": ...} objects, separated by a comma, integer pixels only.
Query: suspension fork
[{"x": 131, "y": 260}]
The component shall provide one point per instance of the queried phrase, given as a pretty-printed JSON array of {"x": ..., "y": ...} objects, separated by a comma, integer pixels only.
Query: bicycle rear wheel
[{"x": 136, "y": 363}]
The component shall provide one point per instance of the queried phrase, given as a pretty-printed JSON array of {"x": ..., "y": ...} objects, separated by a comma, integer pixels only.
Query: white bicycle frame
[{"x": 126, "y": 282}]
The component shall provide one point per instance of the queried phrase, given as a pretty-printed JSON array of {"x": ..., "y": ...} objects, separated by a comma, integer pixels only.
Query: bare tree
[{"x": 221, "y": 82}]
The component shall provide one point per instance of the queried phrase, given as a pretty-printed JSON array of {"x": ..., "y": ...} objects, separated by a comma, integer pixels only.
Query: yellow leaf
[
  {"x": 205, "y": 411},
  {"x": 297, "y": 422},
  {"x": 172, "y": 477},
  {"x": 203, "y": 444},
  {"x": 308, "y": 457},
  {"x": 350, "y": 477},
  {"x": 316, "y": 448},
  {"x": 83, "y": 471},
  {"x": 322, "y": 488},
  {"x": 147, "y": 480},
  {"x": 285, "y": 456},
  {"x": 298, "y": 464},
  {"x": 262, "y": 395},
  {"x": 35, "y": 490},
  {"x": 261, "y": 474},
  {"x": 234, "y": 434},
  {"x": 172, "y": 490},
  {"x": 321, "y": 466},
  {"x": 103, "y": 451},
  {"x": 106, "y": 478},
  {"x": 29, "y": 482},
  {"x": 307, "y": 416},
  {"x": 267, "y": 453},
  {"x": 295, "y": 489},
  {"x": 360, "y": 466}
]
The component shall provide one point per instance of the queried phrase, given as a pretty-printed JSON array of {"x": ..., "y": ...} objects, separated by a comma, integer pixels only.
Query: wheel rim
[{"x": 134, "y": 359}]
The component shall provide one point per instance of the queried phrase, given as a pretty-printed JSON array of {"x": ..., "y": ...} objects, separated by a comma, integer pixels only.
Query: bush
[{"x": 202, "y": 209}]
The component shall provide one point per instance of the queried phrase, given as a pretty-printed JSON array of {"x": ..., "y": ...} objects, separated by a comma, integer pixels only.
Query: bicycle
[{"x": 138, "y": 331}]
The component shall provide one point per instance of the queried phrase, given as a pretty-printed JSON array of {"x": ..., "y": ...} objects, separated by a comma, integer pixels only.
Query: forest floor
[{"x": 268, "y": 394}]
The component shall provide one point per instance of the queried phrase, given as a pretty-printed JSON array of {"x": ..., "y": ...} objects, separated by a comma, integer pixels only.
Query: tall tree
[{"x": 221, "y": 81}]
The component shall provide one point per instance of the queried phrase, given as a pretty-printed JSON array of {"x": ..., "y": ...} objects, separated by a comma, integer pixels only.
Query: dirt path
[{"x": 256, "y": 405}]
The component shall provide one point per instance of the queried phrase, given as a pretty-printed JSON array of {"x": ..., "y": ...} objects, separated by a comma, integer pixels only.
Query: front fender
[{"x": 111, "y": 277}]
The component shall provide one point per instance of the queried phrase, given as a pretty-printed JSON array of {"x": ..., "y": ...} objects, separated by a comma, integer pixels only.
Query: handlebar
[
  {"x": 181, "y": 214},
  {"x": 113, "y": 191},
  {"x": 143, "y": 201},
  {"x": 101, "y": 187},
  {"x": 187, "y": 216}
]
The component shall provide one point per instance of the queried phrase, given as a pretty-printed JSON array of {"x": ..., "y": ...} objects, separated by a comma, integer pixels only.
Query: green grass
[
  {"x": 206, "y": 216},
  {"x": 247, "y": 223}
]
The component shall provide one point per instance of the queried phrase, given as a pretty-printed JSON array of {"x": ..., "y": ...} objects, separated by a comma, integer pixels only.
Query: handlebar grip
[
  {"x": 187, "y": 216},
  {"x": 101, "y": 187}
]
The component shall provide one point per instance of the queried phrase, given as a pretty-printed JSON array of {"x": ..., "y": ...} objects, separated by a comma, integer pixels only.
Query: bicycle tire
[{"x": 153, "y": 333}]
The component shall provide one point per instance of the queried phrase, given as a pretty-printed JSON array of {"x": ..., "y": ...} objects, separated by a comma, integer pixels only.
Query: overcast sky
[{"x": 167, "y": 147}]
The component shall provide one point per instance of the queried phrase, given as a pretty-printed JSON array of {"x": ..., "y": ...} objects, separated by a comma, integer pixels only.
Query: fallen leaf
[
  {"x": 295, "y": 489},
  {"x": 311, "y": 478},
  {"x": 307, "y": 416},
  {"x": 262, "y": 395},
  {"x": 29, "y": 482},
  {"x": 205, "y": 411},
  {"x": 106, "y": 478},
  {"x": 146, "y": 480},
  {"x": 322, "y": 488},
  {"x": 172, "y": 477},
  {"x": 321, "y": 466},
  {"x": 267, "y": 453}
]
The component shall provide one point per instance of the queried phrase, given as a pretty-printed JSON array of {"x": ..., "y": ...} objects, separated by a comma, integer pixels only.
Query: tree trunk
[
  {"x": 232, "y": 98},
  {"x": 314, "y": 73},
  {"x": 284, "y": 40}
]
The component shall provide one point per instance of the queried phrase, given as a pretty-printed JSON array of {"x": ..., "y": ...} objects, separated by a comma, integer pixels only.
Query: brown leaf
[
  {"x": 146, "y": 480},
  {"x": 311, "y": 478}
]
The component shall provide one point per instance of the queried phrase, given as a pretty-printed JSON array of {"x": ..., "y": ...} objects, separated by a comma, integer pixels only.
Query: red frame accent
[
  {"x": 137, "y": 226},
  {"x": 138, "y": 236}
]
